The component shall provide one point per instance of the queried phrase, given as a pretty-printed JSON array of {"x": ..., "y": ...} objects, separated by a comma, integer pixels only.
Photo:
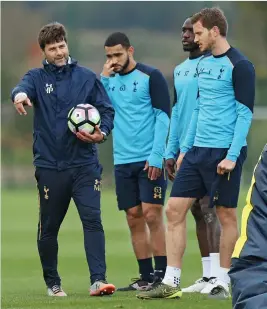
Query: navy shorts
[
  {"x": 134, "y": 187},
  {"x": 198, "y": 177}
]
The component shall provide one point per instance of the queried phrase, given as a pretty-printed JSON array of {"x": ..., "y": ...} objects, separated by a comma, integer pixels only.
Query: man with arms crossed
[
  {"x": 185, "y": 99},
  {"x": 140, "y": 97},
  {"x": 66, "y": 165},
  {"x": 214, "y": 151}
]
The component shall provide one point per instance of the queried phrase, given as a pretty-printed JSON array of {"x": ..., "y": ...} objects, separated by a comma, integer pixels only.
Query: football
[{"x": 83, "y": 117}]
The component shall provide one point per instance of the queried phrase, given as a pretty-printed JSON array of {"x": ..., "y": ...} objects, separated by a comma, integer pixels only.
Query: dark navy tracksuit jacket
[{"x": 53, "y": 92}]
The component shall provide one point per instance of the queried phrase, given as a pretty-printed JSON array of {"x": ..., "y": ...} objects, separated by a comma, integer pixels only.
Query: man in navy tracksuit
[{"x": 66, "y": 165}]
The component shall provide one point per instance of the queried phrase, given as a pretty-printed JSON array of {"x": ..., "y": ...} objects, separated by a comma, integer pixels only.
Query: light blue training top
[{"x": 142, "y": 105}]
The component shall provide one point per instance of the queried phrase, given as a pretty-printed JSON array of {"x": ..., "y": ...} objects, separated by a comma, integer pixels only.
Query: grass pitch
[{"x": 22, "y": 282}]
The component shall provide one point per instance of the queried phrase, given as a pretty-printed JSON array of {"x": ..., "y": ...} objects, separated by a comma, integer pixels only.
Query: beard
[
  {"x": 124, "y": 66},
  {"x": 65, "y": 58},
  {"x": 207, "y": 47},
  {"x": 210, "y": 43}
]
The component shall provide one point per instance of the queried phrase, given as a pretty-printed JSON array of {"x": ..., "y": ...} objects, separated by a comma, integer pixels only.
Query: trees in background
[{"x": 154, "y": 29}]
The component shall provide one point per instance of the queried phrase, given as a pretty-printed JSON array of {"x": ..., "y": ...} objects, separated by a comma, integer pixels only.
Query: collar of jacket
[{"x": 52, "y": 67}]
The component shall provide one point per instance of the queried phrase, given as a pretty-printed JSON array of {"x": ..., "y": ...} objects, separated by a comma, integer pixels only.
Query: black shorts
[
  {"x": 134, "y": 187},
  {"x": 198, "y": 177}
]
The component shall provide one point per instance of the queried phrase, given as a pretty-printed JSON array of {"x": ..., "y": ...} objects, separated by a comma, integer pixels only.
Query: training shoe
[
  {"x": 161, "y": 291},
  {"x": 209, "y": 286},
  {"x": 101, "y": 288},
  {"x": 138, "y": 284},
  {"x": 220, "y": 291},
  {"x": 56, "y": 290},
  {"x": 197, "y": 287}
]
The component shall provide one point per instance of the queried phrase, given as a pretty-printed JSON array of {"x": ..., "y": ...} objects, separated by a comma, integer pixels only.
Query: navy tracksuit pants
[{"x": 56, "y": 188}]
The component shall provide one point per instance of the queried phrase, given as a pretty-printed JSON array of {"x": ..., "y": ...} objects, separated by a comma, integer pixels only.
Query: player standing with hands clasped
[
  {"x": 139, "y": 95},
  {"x": 66, "y": 165}
]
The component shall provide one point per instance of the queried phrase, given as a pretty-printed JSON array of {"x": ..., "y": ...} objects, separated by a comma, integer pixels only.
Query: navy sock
[
  {"x": 146, "y": 269},
  {"x": 160, "y": 266}
]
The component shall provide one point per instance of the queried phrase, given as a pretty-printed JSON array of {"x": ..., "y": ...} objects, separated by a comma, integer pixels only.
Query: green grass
[{"x": 22, "y": 282}]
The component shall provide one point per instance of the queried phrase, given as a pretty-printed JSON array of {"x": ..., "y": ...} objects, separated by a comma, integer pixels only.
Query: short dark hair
[
  {"x": 117, "y": 38},
  {"x": 211, "y": 17},
  {"x": 51, "y": 33}
]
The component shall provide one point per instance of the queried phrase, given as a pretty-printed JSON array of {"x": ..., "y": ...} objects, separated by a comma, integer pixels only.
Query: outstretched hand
[{"x": 21, "y": 99}]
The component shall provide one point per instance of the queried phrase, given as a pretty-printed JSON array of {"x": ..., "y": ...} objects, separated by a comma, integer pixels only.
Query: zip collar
[{"x": 52, "y": 67}]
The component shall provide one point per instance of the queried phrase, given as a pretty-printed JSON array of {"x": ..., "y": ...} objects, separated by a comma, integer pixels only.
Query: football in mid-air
[{"x": 83, "y": 117}]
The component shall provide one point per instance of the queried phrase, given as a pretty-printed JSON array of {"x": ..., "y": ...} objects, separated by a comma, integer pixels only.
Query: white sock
[
  {"x": 206, "y": 266},
  {"x": 224, "y": 275},
  {"x": 215, "y": 265},
  {"x": 172, "y": 276}
]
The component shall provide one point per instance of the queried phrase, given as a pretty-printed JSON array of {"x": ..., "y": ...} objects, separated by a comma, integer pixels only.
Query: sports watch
[{"x": 104, "y": 137}]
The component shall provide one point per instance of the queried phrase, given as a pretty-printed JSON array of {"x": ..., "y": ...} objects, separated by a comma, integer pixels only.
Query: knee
[
  {"x": 134, "y": 215},
  {"x": 48, "y": 229},
  {"x": 91, "y": 220},
  {"x": 175, "y": 212},
  {"x": 227, "y": 216},
  {"x": 153, "y": 215}
]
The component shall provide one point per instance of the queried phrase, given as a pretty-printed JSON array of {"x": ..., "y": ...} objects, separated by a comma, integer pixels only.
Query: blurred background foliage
[{"x": 154, "y": 30}]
